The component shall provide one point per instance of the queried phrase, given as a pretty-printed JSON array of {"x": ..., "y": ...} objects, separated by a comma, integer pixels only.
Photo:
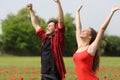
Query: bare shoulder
[{"x": 92, "y": 50}]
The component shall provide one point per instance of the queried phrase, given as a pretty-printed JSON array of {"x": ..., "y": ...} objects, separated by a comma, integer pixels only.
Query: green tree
[
  {"x": 18, "y": 35},
  {"x": 0, "y": 42},
  {"x": 111, "y": 45},
  {"x": 70, "y": 41}
]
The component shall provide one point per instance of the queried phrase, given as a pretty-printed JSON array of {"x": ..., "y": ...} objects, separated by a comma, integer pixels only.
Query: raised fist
[{"x": 29, "y": 6}]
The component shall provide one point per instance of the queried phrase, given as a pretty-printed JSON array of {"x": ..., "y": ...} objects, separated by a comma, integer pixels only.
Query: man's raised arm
[
  {"x": 60, "y": 14},
  {"x": 33, "y": 18}
]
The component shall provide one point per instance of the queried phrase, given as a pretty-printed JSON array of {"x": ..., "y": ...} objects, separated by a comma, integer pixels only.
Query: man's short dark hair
[{"x": 52, "y": 20}]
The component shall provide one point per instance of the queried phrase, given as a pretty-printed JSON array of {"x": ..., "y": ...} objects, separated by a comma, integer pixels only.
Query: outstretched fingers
[
  {"x": 115, "y": 8},
  {"x": 57, "y": 1},
  {"x": 79, "y": 8}
]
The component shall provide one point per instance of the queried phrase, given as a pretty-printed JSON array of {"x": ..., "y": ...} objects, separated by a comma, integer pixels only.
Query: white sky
[{"x": 93, "y": 13}]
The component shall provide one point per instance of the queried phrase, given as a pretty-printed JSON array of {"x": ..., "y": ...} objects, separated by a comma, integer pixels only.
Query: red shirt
[
  {"x": 57, "y": 45},
  {"x": 83, "y": 62}
]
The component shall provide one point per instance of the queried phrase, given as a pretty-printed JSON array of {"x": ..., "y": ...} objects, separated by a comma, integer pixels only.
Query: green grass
[
  {"x": 110, "y": 61},
  {"x": 19, "y": 61},
  {"x": 23, "y": 67}
]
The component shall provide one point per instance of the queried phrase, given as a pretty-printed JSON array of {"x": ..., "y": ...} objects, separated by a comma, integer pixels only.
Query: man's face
[{"x": 50, "y": 29}]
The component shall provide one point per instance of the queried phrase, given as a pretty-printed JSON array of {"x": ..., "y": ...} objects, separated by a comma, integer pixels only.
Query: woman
[{"x": 86, "y": 58}]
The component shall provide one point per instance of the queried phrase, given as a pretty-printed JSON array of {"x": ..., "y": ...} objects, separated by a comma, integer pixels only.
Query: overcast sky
[{"x": 93, "y": 13}]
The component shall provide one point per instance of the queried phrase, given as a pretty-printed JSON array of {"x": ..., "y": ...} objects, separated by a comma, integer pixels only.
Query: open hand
[
  {"x": 57, "y": 1},
  {"x": 79, "y": 8},
  {"x": 115, "y": 8}
]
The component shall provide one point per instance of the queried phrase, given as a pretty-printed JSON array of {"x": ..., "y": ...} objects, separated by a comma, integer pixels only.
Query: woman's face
[{"x": 86, "y": 33}]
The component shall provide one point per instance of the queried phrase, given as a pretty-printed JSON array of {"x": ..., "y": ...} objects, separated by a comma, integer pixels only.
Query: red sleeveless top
[{"x": 83, "y": 62}]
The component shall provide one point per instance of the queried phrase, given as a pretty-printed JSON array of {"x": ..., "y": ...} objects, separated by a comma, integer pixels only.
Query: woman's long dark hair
[{"x": 96, "y": 59}]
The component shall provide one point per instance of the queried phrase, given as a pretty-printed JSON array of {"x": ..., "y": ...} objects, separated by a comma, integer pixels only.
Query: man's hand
[{"x": 29, "y": 6}]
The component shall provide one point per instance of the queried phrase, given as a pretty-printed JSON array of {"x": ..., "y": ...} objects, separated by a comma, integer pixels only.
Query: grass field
[{"x": 28, "y": 68}]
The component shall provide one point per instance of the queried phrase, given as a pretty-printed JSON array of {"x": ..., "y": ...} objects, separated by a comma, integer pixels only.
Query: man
[{"x": 52, "y": 64}]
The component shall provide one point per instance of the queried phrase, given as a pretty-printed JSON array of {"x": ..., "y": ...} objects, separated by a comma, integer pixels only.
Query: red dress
[{"x": 83, "y": 62}]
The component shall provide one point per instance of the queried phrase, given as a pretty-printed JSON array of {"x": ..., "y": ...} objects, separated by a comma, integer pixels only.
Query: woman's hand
[
  {"x": 57, "y": 1},
  {"x": 79, "y": 8},
  {"x": 115, "y": 8}
]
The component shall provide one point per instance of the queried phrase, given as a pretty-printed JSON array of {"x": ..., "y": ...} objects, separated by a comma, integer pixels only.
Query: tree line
[{"x": 18, "y": 37}]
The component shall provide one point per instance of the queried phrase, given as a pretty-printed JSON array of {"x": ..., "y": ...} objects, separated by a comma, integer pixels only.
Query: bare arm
[
  {"x": 94, "y": 46},
  {"x": 33, "y": 18},
  {"x": 78, "y": 25},
  {"x": 60, "y": 14}
]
